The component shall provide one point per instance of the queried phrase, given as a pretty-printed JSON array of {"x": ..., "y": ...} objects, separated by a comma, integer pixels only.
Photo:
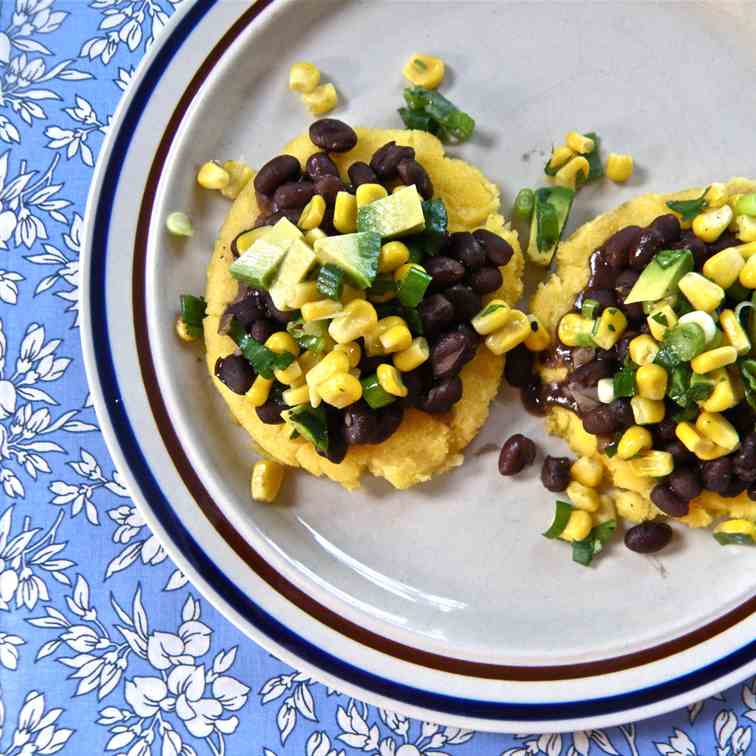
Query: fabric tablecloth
[{"x": 82, "y": 580}]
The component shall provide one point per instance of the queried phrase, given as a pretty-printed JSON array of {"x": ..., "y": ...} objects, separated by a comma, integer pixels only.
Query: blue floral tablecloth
[{"x": 104, "y": 646}]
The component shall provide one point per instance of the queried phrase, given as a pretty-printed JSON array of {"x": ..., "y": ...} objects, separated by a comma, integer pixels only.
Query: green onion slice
[
  {"x": 547, "y": 220},
  {"x": 330, "y": 281},
  {"x": 262, "y": 359},
  {"x": 734, "y": 539},
  {"x": 562, "y": 513},
  {"x": 523, "y": 205},
  {"x": 584, "y": 551},
  {"x": 192, "y": 312},
  {"x": 413, "y": 286},
  {"x": 374, "y": 394},
  {"x": 589, "y": 308}
]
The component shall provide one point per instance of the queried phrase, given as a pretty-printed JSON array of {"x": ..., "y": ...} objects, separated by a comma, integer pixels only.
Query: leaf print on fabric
[
  {"x": 679, "y": 745},
  {"x": 9, "y": 650},
  {"x": 36, "y": 731},
  {"x": 74, "y": 140}
]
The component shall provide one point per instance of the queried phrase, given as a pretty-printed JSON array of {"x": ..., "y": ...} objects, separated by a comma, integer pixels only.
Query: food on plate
[
  {"x": 517, "y": 453},
  {"x": 427, "y": 110},
  {"x": 424, "y": 70},
  {"x": 319, "y": 98},
  {"x": 179, "y": 224}
]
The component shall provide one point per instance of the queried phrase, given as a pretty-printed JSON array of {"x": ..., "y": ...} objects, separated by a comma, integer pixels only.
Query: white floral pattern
[{"x": 103, "y": 646}]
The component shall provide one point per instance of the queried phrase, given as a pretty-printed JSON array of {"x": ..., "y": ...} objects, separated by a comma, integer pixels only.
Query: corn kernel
[
  {"x": 711, "y": 224},
  {"x": 212, "y": 175},
  {"x": 713, "y": 359},
  {"x": 492, "y": 317},
  {"x": 735, "y": 335},
  {"x": 737, "y": 526},
  {"x": 578, "y": 526},
  {"x": 296, "y": 395},
  {"x": 694, "y": 442},
  {"x": 184, "y": 332},
  {"x": 642, "y": 349},
  {"x": 345, "y": 213},
  {"x": 632, "y": 506},
  {"x": 390, "y": 380},
  {"x": 350, "y": 293},
  {"x": 651, "y": 381},
  {"x": 746, "y": 250},
  {"x": 701, "y": 293},
  {"x": 539, "y": 339},
  {"x": 267, "y": 477},
  {"x": 560, "y": 156},
  {"x": 748, "y": 273},
  {"x": 653, "y": 464},
  {"x": 259, "y": 391},
  {"x": 179, "y": 224},
  {"x": 396, "y": 339},
  {"x": 580, "y": 143},
  {"x": 634, "y": 440},
  {"x": 312, "y": 213},
  {"x": 575, "y": 330},
  {"x": 322, "y": 99},
  {"x": 313, "y": 235},
  {"x": 323, "y": 309},
  {"x": 588, "y": 471},
  {"x": 393, "y": 256},
  {"x": 357, "y": 320},
  {"x": 340, "y": 390},
  {"x": 372, "y": 340},
  {"x": 424, "y": 70},
  {"x": 606, "y": 511},
  {"x": 609, "y": 329},
  {"x": 511, "y": 334},
  {"x": 724, "y": 267},
  {"x": 718, "y": 430},
  {"x": 240, "y": 174},
  {"x": 303, "y": 293},
  {"x": 725, "y": 394},
  {"x": 647, "y": 411},
  {"x": 583, "y": 497},
  {"x": 661, "y": 319},
  {"x": 619, "y": 167},
  {"x": 746, "y": 228},
  {"x": 716, "y": 195},
  {"x": 367, "y": 193},
  {"x": 281, "y": 341},
  {"x": 303, "y": 77},
  {"x": 332, "y": 363},
  {"x": 568, "y": 175},
  {"x": 415, "y": 355},
  {"x": 352, "y": 350}
]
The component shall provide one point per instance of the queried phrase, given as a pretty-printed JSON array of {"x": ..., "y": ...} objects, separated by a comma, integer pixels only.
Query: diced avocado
[
  {"x": 258, "y": 266},
  {"x": 396, "y": 215},
  {"x": 283, "y": 231},
  {"x": 429, "y": 241},
  {"x": 298, "y": 262},
  {"x": 660, "y": 277},
  {"x": 310, "y": 423},
  {"x": 356, "y": 254},
  {"x": 552, "y": 208}
]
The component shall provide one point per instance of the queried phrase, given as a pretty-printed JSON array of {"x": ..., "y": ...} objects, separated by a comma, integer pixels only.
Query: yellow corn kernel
[
  {"x": 694, "y": 442},
  {"x": 390, "y": 380},
  {"x": 332, "y": 363},
  {"x": 322, "y": 99},
  {"x": 642, "y": 349},
  {"x": 579, "y": 143},
  {"x": 583, "y": 497},
  {"x": 724, "y": 397},
  {"x": 746, "y": 228},
  {"x": 184, "y": 332},
  {"x": 746, "y": 250},
  {"x": 632, "y": 506},
  {"x": 560, "y": 156},
  {"x": 349, "y": 294},
  {"x": 367, "y": 193},
  {"x": 606, "y": 511},
  {"x": 296, "y": 395},
  {"x": 575, "y": 330},
  {"x": 651, "y": 381},
  {"x": 734, "y": 333},
  {"x": 240, "y": 174},
  {"x": 701, "y": 293},
  {"x": 303, "y": 293},
  {"x": 415, "y": 355},
  {"x": 538, "y": 339},
  {"x": 713, "y": 359},
  {"x": 396, "y": 339},
  {"x": 653, "y": 464},
  {"x": 492, "y": 317},
  {"x": 660, "y": 320},
  {"x": 345, "y": 213},
  {"x": 711, "y": 224},
  {"x": 567, "y": 175},
  {"x": 259, "y": 391},
  {"x": 212, "y": 175},
  {"x": 588, "y": 471},
  {"x": 267, "y": 477},
  {"x": 609, "y": 329},
  {"x": 748, "y": 273},
  {"x": 352, "y": 350},
  {"x": 511, "y": 334},
  {"x": 372, "y": 340},
  {"x": 303, "y": 77},
  {"x": 312, "y": 213},
  {"x": 179, "y": 224},
  {"x": 281, "y": 342},
  {"x": 619, "y": 167},
  {"x": 634, "y": 440},
  {"x": 401, "y": 272},
  {"x": 718, "y": 430},
  {"x": 289, "y": 376},
  {"x": 737, "y": 526},
  {"x": 322, "y": 309},
  {"x": 724, "y": 267},
  {"x": 340, "y": 390},
  {"x": 647, "y": 411},
  {"x": 424, "y": 70},
  {"x": 578, "y": 526},
  {"x": 313, "y": 235},
  {"x": 716, "y": 195},
  {"x": 357, "y": 320},
  {"x": 393, "y": 255}
]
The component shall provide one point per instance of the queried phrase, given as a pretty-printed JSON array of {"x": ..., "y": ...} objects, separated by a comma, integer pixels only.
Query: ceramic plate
[{"x": 443, "y": 602}]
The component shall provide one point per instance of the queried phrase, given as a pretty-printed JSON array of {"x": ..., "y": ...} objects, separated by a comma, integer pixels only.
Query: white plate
[{"x": 443, "y": 602}]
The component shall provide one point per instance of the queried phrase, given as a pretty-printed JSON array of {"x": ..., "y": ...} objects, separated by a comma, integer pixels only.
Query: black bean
[
  {"x": 235, "y": 373},
  {"x": 736, "y": 487},
  {"x": 272, "y": 218},
  {"x": 411, "y": 172},
  {"x": 602, "y": 276},
  {"x": 498, "y": 251},
  {"x": 368, "y": 365},
  {"x": 275, "y": 172},
  {"x": 642, "y": 252},
  {"x": 472, "y": 336},
  {"x": 337, "y": 444},
  {"x": 517, "y": 453},
  {"x": 600, "y": 420},
  {"x": 623, "y": 412},
  {"x": 555, "y": 473},
  {"x": 665, "y": 430},
  {"x": 605, "y": 297},
  {"x": 248, "y": 306},
  {"x": 436, "y": 313},
  {"x": 518, "y": 369},
  {"x": 320, "y": 164},
  {"x": 361, "y": 173},
  {"x": 752, "y": 492},
  {"x": 625, "y": 282},
  {"x": 743, "y": 418},
  {"x": 648, "y": 537},
  {"x": 293, "y": 195},
  {"x": 685, "y": 483},
  {"x": 728, "y": 239},
  {"x": 717, "y": 474},
  {"x": 389, "y": 420},
  {"x": 280, "y": 316},
  {"x": 623, "y": 345},
  {"x": 668, "y": 501},
  {"x": 449, "y": 354},
  {"x": 442, "y": 396},
  {"x": 418, "y": 383},
  {"x": 445, "y": 272},
  {"x": 616, "y": 247},
  {"x": 328, "y": 187},
  {"x": 744, "y": 462},
  {"x": 591, "y": 373},
  {"x": 465, "y": 301},
  {"x": 668, "y": 226},
  {"x": 680, "y": 454},
  {"x": 261, "y": 330},
  {"x": 386, "y": 159},
  {"x": 333, "y": 135},
  {"x": 463, "y": 246},
  {"x": 270, "y": 412},
  {"x": 486, "y": 280}
]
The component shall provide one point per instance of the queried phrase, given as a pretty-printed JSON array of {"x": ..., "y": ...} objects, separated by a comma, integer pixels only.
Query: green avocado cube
[
  {"x": 356, "y": 254},
  {"x": 299, "y": 261},
  {"x": 660, "y": 277},
  {"x": 398, "y": 214},
  {"x": 258, "y": 266}
]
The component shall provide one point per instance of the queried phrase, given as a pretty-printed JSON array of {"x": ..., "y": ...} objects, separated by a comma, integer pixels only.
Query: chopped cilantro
[{"x": 689, "y": 209}]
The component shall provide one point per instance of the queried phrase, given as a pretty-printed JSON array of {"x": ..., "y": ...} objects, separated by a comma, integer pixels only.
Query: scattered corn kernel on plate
[{"x": 501, "y": 288}]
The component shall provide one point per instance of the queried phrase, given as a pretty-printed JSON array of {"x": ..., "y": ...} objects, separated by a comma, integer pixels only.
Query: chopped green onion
[
  {"x": 743, "y": 306},
  {"x": 748, "y": 373},
  {"x": 417, "y": 120},
  {"x": 689, "y": 209},
  {"x": 436, "y": 219},
  {"x": 611, "y": 449},
  {"x": 412, "y": 287},
  {"x": 734, "y": 539},
  {"x": 547, "y": 229},
  {"x": 624, "y": 381},
  {"x": 374, "y": 394},
  {"x": 386, "y": 309},
  {"x": 449, "y": 120},
  {"x": 179, "y": 224},
  {"x": 589, "y": 308},
  {"x": 413, "y": 320},
  {"x": 311, "y": 335},
  {"x": 584, "y": 551},
  {"x": 383, "y": 284},
  {"x": 311, "y": 423},
  {"x": 192, "y": 312},
  {"x": 562, "y": 513},
  {"x": 330, "y": 281},
  {"x": 262, "y": 359},
  {"x": 595, "y": 169},
  {"x": 746, "y": 205},
  {"x": 524, "y": 203}
]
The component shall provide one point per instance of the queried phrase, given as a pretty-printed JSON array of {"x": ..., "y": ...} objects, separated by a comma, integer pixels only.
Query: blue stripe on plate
[{"x": 192, "y": 551}]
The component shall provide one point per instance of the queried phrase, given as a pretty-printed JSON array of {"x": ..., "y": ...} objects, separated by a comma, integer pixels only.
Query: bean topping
[
  {"x": 337, "y": 445},
  {"x": 443, "y": 396},
  {"x": 465, "y": 301},
  {"x": 436, "y": 313},
  {"x": 685, "y": 483},
  {"x": 385, "y": 161},
  {"x": 248, "y": 306},
  {"x": 270, "y": 412},
  {"x": 333, "y": 135},
  {"x": 648, "y": 537},
  {"x": 518, "y": 369},
  {"x": 642, "y": 252},
  {"x": 465, "y": 247},
  {"x": 411, "y": 172},
  {"x": 389, "y": 420},
  {"x": 280, "y": 316},
  {"x": 668, "y": 226},
  {"x": 498, "y": 251},
  {"x": 275, "y": 172},
  {"x": 328, "y": 187},
  {"x": 261, "y": 330},
  {"x": 235, "y": 372},
  {"x": 555, "y": 473},
  {"x": 486, "y": 280},
  {"x": 616, "y": 247},
  {"x": 293, "y": 195},
  {"x": 449, "y": 354},
  {"x": 717, "y": 474},
  {"x": 320, "y": 164},
  {"x": 517, "y": 453},
  {"x": 600, "y": 420},
  {"x": 361, "y": 173},
  {"x": 668, "y": 501},
  {"x": 445, "y": 272}
]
